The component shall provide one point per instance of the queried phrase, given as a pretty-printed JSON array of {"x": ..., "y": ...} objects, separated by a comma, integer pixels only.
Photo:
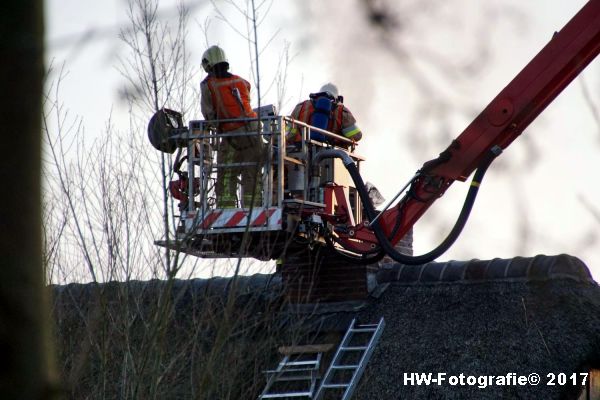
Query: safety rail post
[
  {"x": 282, "y": 124},
  {"x": 191, "y": 162},
  {"x": 305, "y": 137},
  {"x": 269, "y": 129},
  {"x": 266, "y": 175},
  {"x": 205, "y": 171}
]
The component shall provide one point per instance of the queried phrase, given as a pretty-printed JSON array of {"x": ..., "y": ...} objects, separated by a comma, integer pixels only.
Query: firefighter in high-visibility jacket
[
  {"x": 341, "y": 120},
  {"x": 226, "y": 96},
  {"x": 335, "y": 118}
]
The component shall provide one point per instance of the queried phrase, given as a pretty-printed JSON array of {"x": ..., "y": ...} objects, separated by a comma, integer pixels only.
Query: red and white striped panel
[{"x": 238, "y": 218}]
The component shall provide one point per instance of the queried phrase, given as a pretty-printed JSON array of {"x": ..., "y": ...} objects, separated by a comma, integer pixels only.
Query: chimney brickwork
[{"x": 320, "y": 275}]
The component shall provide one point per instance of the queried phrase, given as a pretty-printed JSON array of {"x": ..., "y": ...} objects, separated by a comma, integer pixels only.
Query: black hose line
[{"x": 452, "y": 236}]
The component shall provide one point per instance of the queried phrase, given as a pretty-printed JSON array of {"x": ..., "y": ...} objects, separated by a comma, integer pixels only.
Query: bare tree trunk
[{"x": 26, "y": 371}]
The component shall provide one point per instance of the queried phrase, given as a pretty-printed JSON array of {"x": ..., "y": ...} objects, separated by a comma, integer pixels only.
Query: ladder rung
[
  {"x": 344, "y": 366},
  {"x": 367, "y": 326},
  {"x": 361, "y": 330},
  {"x": 299, "y": 363},
  {"x": 294, "y": 378},
  {"x": 353, "y": 348},
  {"x": 309, "y": 368},
  {"x": 287, "y": 371},
  {"x": 335, "y": 385},
  {"x": 283, "y": 395}
]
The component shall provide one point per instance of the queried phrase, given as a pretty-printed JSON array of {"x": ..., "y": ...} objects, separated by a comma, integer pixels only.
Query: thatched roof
[
  {"x": 547, "y": 323},
  {"x": 471, "y": 319}
]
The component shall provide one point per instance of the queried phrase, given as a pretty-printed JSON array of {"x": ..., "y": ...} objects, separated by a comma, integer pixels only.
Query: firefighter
[
  {"x": 324, "y": 110},
  {"x": 227, "y": 96},
  {"x": 339, "y": 119}
]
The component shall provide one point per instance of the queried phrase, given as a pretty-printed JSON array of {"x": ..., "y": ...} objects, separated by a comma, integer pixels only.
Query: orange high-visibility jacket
[
  {"x": 335, "y": 124},
  {"x": 341, "y": 122},
  {"x": 230, "y": 99}
]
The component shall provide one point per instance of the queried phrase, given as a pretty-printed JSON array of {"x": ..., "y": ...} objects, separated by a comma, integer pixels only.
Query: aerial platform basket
[{"x": 286, "y": 213}]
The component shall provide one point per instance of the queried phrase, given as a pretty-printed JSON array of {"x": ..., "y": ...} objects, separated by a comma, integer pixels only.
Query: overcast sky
[{"x": 522, "y": 210}]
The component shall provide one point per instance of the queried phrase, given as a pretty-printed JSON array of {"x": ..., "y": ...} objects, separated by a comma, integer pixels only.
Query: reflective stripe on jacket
[
  {"x": 231, "y": 99},
  {"x": 352, "y": 132}
]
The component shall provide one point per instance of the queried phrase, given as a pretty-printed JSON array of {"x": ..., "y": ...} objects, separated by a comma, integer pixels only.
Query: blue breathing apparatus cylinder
[{"x": 320, "y": 117}]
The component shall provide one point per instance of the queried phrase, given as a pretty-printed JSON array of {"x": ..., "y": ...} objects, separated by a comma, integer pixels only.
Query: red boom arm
[{"x": 517, "y": 105}]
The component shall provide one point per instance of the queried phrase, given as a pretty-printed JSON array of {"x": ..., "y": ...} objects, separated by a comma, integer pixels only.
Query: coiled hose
[{"x": 372, "y": 213}]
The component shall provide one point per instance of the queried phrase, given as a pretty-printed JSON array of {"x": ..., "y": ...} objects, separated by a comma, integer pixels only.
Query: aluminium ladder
[
  {"x": 300, "y": 364},
  {"x": 347, "y": 348}
]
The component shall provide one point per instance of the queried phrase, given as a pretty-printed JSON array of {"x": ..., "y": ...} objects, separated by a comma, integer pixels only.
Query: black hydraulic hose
[
  {"x": 454, "y": 233},
  {"x": 366, "y": 258}
]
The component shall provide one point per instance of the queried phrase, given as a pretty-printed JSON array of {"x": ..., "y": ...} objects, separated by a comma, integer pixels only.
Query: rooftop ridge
[{"x": 516, "y": 269}]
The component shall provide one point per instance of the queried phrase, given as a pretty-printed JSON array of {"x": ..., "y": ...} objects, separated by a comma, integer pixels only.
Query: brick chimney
[{"x": 319, "y": 275}]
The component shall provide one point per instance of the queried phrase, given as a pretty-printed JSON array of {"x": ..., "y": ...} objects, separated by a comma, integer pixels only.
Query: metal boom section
[{"x": 502, "y": 121}]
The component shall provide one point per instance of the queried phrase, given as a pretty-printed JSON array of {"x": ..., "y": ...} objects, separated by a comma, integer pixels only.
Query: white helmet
[
  {"x": 212, "y": 56},
  {"x": 330, "y": 89}
]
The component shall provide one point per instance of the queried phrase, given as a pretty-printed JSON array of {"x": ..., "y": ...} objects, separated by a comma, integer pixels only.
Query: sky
[{"x": 538, "y": 198}]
